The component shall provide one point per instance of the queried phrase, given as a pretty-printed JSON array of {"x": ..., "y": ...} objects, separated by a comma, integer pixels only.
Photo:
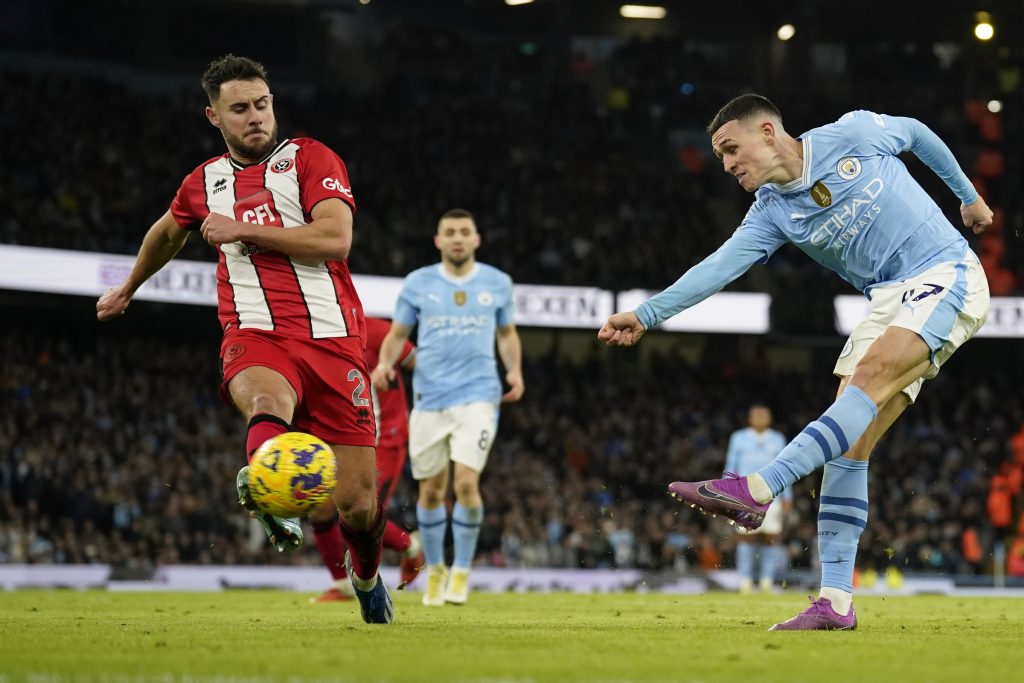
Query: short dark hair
[
  {"x": 742, "y": 107},
  {"x": 231, "y": 68},
  {"x": 457, "y": 213}
]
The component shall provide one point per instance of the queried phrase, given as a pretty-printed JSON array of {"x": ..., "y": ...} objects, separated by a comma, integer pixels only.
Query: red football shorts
[
  {"x": 390, "y": 461},
  {"x": 329, "y": 377}
]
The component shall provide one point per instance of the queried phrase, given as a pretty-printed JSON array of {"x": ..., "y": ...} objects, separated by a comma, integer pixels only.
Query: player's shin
[
  {"x": 332, "y": 546},
  {"x": 842, "y": 516},
  {"x": 433, "y": 523},
  {"x": 823, "y": 440},
  {"x": 262, "y": 427},
  {"x": 745, "y": 566},
  {"x": 365, "y": 546},
  {"x": 396, "y": 538},
  {"x": 466, "y": 524}
]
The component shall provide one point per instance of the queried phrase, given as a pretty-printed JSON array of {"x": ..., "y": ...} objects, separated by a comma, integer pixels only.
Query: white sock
[
  {"x": 840, "y": 599},
  {"x": 759, "y": 490},
  {"x": 364, "y": 585}
]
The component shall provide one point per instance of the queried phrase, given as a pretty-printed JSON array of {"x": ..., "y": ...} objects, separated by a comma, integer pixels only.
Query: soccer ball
[{"x": 291, "y": 474}]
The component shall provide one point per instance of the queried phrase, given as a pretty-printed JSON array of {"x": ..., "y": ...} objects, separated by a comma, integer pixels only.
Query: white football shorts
[
  {"x": 946, "y": 304},
  {"x": 462, "y": 433}
]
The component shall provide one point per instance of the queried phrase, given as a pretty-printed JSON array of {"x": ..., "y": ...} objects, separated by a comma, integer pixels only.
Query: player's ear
[
  {"x": 211, "y": 116},
  {"x": 437, "y": 241},
  {"x": 768, "y": 131}
]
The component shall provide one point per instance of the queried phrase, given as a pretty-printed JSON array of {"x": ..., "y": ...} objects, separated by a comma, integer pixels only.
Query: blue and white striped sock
[
  {"x": 433, "y": 523},
  {"x": 842, "y": 516},
  {"x": 823, "y": 440},
  {"x": 465, "y": 531}
]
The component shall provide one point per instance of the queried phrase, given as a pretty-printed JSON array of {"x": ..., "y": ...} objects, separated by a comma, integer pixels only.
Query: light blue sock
[
  {"x": 772, "y": 557},
  {"x": 433, "y": 524},
  {"x": 465, "y": 530},
  {"x": 842, "y": 516},
  {"x": 745, "y": 561},
  {"x": 823, "y": 440}
]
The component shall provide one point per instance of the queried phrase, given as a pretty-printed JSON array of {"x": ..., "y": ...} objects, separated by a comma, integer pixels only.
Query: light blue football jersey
[
  {"x": 457, "y": 319},
  {"x": 750, "y": 450},
  {"x": 856, "y": 210}
]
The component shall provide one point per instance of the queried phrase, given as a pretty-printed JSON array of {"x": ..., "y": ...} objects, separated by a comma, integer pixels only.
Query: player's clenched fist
[
  {"x": 977, "y": 216},
  {"x": 220, "y": 229},
  {"x": 622, "y": 329},
  {"x": 113, "y": 303}
]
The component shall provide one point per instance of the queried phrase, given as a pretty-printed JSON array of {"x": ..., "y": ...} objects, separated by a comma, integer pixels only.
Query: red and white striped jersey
[{"x": 258, "y": 288}]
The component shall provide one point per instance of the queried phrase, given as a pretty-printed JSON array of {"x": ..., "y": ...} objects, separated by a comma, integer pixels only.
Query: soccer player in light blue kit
[
  {"x": 750, "y": 449},
  {"x": 840, "y": 194},
  {"x": 463, "y": 309}
]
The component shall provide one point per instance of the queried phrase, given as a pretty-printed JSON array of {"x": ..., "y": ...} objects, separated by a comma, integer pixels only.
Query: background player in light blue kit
[
  {"x": 750, "y": 449},
  {"x": 462, "y": 308},
  {"x": 840, "y": 194}
]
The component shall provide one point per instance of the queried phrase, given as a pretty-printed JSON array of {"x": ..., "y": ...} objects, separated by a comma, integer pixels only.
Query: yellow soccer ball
[{"x": 291, "y": 474}]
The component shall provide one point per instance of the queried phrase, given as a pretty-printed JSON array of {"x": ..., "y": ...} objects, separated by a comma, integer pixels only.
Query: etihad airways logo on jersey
[
  {"x": 850, "y": 218},
  {"x": 336, "y": 185},
  {"x": 461, "y": 325}
]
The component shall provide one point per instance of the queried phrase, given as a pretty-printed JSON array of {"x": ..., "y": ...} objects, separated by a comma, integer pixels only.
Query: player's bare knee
[
  {"x": 431, "y": 497},
  {"x": 358, "y": 511},
  {"x": 272, "y": 404},
  {"x": 467, "y": 488}
]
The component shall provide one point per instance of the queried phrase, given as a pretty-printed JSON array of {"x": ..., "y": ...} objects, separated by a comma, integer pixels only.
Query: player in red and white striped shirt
[{"x": 280, "y": 215}]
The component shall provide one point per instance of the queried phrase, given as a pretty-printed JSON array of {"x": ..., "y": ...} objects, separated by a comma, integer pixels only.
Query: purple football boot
[
  {"x": 819, "y": 617},
  {"x": 729, "y": 497}
]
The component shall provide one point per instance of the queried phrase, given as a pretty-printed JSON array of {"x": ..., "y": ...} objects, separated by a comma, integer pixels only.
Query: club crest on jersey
[
  {"x": 821, "y": 195},
  {"x": 848, "y": 168},
  {"x": 233, "y": 352},
  {"x": 282, "y": 166},
  {"x": 460, "y": 298},
  {"x": 484, "y": 298}
]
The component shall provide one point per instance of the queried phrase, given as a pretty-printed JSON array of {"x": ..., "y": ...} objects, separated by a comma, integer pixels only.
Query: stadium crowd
[
  {"x": 564, "y": 163},
  {"x": 117, "y": 450},
  {"x": 593, "y": 171}
]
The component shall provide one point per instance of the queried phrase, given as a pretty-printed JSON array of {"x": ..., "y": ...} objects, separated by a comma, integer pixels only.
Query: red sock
[
  {"x": 395, "y": 537},
  {"x": 331, "y": 546},
  {"x": 263, "y": 426},
  {"x": 365, "y": 545}
]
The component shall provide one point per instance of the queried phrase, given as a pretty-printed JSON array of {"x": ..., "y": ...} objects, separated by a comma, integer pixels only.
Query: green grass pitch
[{"x": 235, "y": 636}]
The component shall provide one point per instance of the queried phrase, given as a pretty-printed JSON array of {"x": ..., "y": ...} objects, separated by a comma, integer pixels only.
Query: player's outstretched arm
[
  {"x": 327, "y": 238},
  {"x": 163, "y": 240},
  {"x": 510, "y": 349},
  {"x": 622, "y": 329},
  {"x": 390, "y": 349}
]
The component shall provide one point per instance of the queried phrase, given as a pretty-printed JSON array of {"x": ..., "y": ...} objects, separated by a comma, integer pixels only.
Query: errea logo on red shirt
[{"x": 337, "y": 186}]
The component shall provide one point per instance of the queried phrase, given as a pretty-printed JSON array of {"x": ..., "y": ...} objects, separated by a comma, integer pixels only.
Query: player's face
[
  {"x": 745, "y": 152},
  {"x": 244, "y": 113},
  {"x": 457, "y": 240},
  {"x": 760, "y": 418}
]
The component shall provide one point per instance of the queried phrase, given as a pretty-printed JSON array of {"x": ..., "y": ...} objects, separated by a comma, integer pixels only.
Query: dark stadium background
[{"x": 576, "y": 138}]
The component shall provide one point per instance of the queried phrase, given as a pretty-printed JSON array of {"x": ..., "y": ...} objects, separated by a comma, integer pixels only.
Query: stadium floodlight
[
  {"x": 518, "y": 2},
  {"x": 983, "y": 28},
  {"x": 786, "y": 31},
  {"x": 995, "y": 106},
  {"x": 364, "y": 2},
  {"x": 643, "y": 11}
]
